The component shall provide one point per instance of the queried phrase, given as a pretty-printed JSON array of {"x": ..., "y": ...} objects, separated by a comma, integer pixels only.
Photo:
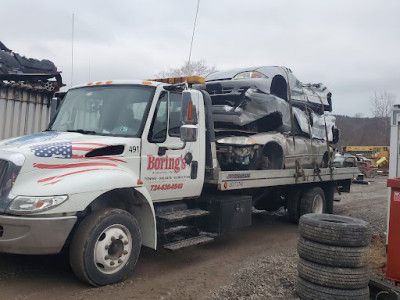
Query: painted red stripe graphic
[
  {"x": 54, "y": 182},
  {"x": 68, "y": 174},
  {"x": 68, "y": 166}
]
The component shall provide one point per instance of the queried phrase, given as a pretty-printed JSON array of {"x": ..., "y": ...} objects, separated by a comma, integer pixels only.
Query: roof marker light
[
  {"x": 176, "y": 80},
  {"x": 99, "y": 82}
]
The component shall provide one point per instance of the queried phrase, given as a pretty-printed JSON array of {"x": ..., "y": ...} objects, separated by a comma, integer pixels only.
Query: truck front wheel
[{"x": 105, "y": 247}]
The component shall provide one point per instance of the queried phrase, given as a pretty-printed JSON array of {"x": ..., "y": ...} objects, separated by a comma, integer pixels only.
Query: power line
[
  {"x": 194, "y": 29},
  {"x": 72, "y": 61}
]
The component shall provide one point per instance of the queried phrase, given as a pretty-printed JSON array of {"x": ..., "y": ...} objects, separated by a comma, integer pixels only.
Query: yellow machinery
[{"x": 379, "y": 155}]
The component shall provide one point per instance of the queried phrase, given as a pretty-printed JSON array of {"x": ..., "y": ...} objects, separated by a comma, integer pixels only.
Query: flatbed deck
[{"x": 233, "y": 180}]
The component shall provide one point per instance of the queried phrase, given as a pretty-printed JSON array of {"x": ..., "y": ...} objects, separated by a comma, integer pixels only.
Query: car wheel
[
  {"x": 272, "y": 157},
  {"x": 105, "y": 247}
]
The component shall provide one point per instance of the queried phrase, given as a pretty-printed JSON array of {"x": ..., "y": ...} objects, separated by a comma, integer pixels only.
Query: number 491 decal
[{"x": 133, "y": 149}]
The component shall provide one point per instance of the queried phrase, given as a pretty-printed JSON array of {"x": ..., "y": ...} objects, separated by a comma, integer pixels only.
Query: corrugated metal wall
[{"x": 22, "y": 111}]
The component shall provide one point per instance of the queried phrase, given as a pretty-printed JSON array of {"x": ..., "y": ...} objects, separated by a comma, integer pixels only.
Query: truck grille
[{"x": 3, "y": 170}]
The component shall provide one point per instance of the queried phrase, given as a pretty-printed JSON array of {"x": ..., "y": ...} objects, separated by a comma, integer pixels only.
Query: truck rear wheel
[
  {"x": 313, "y": 201},
  {"x": 105, "y": 247}
]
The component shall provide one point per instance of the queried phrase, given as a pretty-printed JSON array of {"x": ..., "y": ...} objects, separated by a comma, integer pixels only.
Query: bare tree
[
  {"x": 195, "y": 68},
  {"x": 382, "y": 103}
]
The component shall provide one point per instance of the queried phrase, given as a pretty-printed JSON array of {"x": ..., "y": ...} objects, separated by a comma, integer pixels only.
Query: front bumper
[{"x": 24, "y": 235}]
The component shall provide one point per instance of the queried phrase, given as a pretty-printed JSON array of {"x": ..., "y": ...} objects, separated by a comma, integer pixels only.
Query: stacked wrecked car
[
  {"x": 33, "y": 72},
  {"x": 267, "y": 119}
]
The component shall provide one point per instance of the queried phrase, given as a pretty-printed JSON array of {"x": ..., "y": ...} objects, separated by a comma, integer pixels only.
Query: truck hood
[
  {"x": 53, "y": 148},
  {"x": 63, "y": 145},
  {"x": 67, "y": 163}
]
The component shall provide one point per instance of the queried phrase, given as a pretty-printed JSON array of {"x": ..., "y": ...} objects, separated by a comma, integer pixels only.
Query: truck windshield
[{"x": 104, "y": 110}]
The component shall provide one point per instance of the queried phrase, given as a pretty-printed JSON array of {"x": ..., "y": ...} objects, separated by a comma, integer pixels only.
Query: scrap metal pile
[
  {"x": 272, "y": 100},
  {"x": 28, "y": 72}
]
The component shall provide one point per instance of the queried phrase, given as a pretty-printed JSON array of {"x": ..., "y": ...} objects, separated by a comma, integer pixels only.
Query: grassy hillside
[{"x": 363, "y": 131}]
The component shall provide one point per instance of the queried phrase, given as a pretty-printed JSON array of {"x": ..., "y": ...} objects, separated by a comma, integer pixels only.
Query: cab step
[
  {"x": 176, "y": 229},
  {"x": 193, "y": 241},
  {"x": 183, "y": 214}
]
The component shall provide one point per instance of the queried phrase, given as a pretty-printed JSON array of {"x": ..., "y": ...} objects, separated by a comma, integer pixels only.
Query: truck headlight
[{"x": 27, "y": 204}]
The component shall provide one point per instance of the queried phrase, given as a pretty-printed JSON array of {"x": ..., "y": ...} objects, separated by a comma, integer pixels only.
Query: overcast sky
[{"x": 353, "y": 47}]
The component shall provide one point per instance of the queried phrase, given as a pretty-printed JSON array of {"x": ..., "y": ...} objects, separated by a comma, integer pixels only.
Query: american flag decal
[
  {"x": 73, "y": 150},
  {"x": 55, "y": 150}
]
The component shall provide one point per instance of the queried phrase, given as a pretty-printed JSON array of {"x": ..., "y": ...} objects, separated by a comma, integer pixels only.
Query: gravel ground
[
  {"x": 257, "y": 262},
  {"x": 366, "y": 202},
  {"x": 274, "y": 276},
  {"x": 252, "y": 283}
]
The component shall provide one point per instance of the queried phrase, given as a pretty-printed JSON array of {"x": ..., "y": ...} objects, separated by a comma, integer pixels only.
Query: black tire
[
  {"x": 334, "y": 277},
  {"x": 114, "y": 235},
  {"x": 272, "y": 157},
  {"x": 335, "y": 230},
  {"x": 309, "y": 291},
  {"x": 335, "y": 256},
  {"x": 293, "y": 205},
  {"x": 313, "y": 201}
]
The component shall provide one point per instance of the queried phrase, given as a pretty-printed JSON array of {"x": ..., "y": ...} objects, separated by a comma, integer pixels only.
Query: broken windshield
[{"x": 104, "y": 110}]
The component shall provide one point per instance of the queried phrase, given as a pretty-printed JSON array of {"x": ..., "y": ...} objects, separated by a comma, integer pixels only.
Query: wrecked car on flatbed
[{"x": 265, "y": 118}]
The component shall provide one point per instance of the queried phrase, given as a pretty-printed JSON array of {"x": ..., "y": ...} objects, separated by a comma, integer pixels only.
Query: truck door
[{"x": 171, "y": 169}]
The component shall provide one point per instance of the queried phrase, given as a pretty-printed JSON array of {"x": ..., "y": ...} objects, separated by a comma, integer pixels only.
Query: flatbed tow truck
[{"x": 126, "y": 164}]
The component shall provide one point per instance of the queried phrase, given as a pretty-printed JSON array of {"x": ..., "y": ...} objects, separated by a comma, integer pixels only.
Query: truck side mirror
[
  {"x": 53, "y": 106},
  {"x": 189, "y": 109},
  {"x": 188, "y": 133},
  {"x": 189, "y": 115}
]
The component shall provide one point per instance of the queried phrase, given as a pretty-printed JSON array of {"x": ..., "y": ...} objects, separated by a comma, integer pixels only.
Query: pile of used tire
[{"x": 333, "y": 257}]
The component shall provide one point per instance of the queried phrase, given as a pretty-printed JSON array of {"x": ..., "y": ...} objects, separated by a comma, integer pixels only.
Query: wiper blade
[{"x": 83, "y": 131}]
